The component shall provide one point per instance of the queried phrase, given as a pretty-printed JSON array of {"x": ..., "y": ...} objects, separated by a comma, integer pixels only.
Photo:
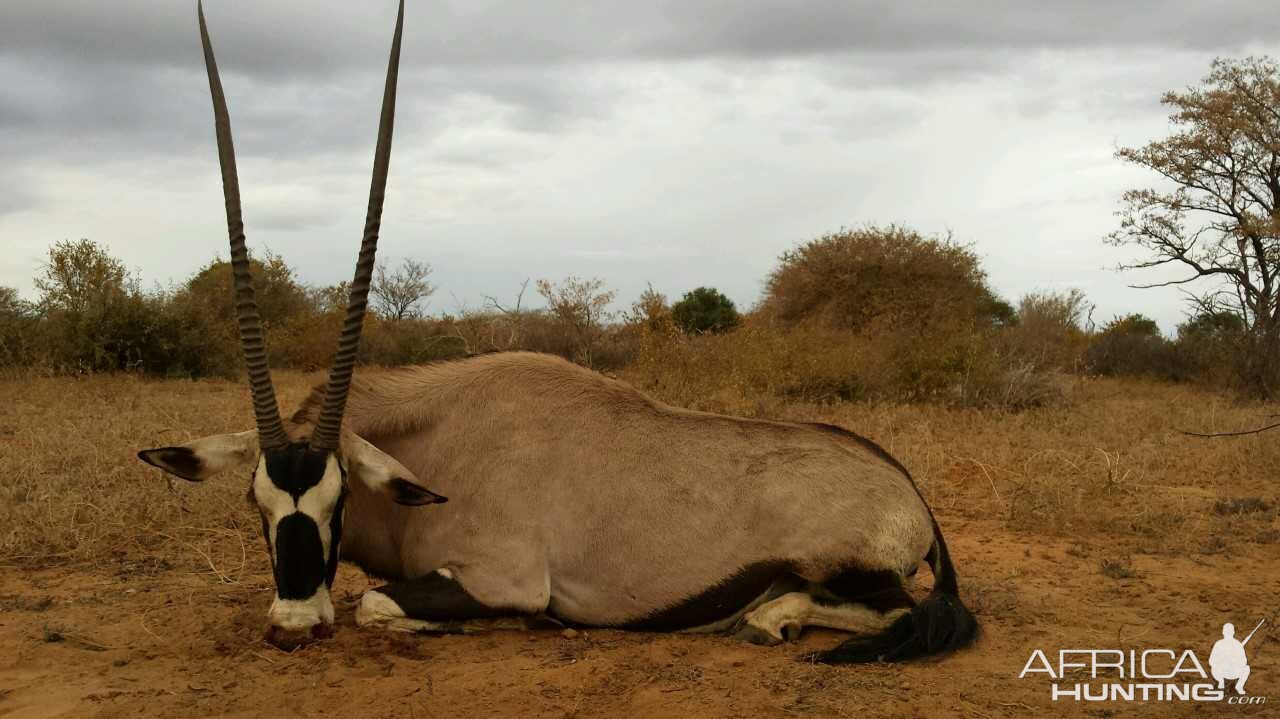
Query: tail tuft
[{"x": 938, "y": 625}]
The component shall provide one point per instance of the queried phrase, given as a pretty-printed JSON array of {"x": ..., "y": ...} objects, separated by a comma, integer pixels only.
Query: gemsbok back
[{"x": 573, "y": 498}]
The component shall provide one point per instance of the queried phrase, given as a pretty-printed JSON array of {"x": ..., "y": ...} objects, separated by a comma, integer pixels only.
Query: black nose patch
[{"x": 300, "y": 561}]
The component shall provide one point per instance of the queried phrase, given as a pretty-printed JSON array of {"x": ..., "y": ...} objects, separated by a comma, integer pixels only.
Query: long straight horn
[
  {"x": 270, "y": 429},
  {"x": 325, "y": 435}
]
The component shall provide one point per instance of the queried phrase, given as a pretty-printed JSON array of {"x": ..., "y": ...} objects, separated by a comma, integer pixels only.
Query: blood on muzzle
[{"x": 290, "y": 639}]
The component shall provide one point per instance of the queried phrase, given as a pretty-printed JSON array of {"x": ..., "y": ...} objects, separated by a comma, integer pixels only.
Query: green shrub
[{"x": 705, "y": 309}]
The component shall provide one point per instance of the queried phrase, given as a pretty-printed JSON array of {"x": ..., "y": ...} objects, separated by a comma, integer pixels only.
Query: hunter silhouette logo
[
  {"x": 1162, "y": 675},
  {"x": 1227, "y": 661}
]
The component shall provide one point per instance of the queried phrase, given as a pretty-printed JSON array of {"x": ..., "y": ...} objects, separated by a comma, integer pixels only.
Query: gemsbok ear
[
  {"x": 382, "y": 473},
  {"x": 202, "y": 458}
]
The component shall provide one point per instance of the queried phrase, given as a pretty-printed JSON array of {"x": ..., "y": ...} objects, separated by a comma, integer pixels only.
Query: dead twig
[{"x": 1241, "y": 433}]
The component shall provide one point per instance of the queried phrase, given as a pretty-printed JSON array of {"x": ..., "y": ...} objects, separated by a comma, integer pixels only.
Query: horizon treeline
[{"x": 868, "y": 313}]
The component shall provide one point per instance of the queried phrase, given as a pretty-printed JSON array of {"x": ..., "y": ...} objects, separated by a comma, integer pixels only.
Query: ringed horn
[{"x": 271, "y": 433}]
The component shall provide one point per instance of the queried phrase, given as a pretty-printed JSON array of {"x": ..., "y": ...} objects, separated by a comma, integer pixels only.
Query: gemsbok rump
[{"x": 572, "y": 497}]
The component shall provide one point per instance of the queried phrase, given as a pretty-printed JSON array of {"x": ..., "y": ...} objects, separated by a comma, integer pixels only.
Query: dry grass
[
  {"x": 1109, "y": 462},
  {"x": 72, "y": 488}
]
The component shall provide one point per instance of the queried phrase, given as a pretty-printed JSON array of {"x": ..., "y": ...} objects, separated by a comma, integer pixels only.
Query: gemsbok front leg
[{"x": 439, "y": 604}]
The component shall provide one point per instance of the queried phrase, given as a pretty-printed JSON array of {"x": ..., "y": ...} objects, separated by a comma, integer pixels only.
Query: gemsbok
[{"x": 573, "y": 499}]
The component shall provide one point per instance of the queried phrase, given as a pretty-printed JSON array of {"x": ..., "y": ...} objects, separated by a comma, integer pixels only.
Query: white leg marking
[
  {"x": 378, "y": 610},
  {"x": 784, "y": 617}
]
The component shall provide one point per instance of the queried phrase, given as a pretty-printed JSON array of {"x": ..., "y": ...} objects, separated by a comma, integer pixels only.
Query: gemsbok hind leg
[
  {"x": 432, "y": 604},
  {"x": 785, "y": 617}
]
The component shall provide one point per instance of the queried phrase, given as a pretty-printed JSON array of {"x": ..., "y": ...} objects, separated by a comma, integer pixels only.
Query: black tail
[{"x": 938, "y": 625}]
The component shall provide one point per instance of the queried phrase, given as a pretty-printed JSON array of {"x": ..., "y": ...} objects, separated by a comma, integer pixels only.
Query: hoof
[{"x": 755, "y": 635}]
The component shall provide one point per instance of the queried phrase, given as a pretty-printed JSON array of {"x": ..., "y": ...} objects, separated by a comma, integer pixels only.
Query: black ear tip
[
  {"x": 179, "y": 461},
  {"x": 412, "y": 495},
  {"x": 152, "y": 457}
]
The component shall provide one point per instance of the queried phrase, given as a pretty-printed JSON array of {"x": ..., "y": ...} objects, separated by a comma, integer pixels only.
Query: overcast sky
[{"x": 680, "y": 143}]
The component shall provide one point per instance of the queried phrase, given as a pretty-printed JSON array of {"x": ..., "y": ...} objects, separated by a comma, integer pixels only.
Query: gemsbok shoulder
[{"x": 572, "y": 498}]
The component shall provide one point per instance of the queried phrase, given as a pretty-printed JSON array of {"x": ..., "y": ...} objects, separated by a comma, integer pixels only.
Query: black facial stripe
[
  {"x": 335, "y": 534},
  {"x": 295, "y": 468},
  {"x": 266, "y": 534},
  {"x": 300, "y": 564}
]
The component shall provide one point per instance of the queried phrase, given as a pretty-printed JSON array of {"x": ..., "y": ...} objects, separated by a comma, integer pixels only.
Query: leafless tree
[
  {"x": 401, "y": 294},
  {"x": 581, "y": 306},
  {"x": 507, "y": 327},
  {"x": 1217, "y": 215}
]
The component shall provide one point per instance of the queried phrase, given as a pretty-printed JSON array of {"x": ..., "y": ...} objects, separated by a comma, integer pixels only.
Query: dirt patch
[{"x": 191, "y": 644}]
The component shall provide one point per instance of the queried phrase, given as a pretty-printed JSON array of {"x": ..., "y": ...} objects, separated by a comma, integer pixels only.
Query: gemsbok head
[{"x": 299, "y": 483}]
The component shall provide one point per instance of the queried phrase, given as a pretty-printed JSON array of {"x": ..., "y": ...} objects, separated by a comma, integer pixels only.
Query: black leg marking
[
  {"x": 721, "y": 601},
  {"x": 437, "y": 598},
  {"x": 880, "y": 590}
]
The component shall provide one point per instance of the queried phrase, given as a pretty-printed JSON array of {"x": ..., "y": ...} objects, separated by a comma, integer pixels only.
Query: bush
[
  {"x": 94, "y": 316},
  {"x": 881, "y": 313},
  {"x": 705, "y": 309},
  {"x": 1214, "y": 346},
  {"x": 18, "y": 325},
  {"x": 745, "y": 370},
  {"x": 1132, "y": 345},
  {"x": 578, "y": 310},
  {"x": 392, "y": 343},
  {"x": 201, "y": 336},
  {"x": 890, "y": 275},
  {"x": 1048, "y": 330}
]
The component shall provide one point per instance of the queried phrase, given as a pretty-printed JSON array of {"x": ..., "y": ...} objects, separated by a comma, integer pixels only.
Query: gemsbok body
[{"x": 519, "y": 485}]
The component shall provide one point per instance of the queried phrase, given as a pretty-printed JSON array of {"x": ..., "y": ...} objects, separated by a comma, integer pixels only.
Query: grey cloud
[
  {"x": 17, "y": 193},
  {"x": 756, "y": 134},
  {"x": 82, "y": 80},
  {"x": 319, "y": 37}
]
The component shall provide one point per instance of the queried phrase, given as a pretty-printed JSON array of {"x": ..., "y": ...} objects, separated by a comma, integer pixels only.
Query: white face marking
[
  {"x": 317, "y": 503},
  {"x": 299, "y": 614}
]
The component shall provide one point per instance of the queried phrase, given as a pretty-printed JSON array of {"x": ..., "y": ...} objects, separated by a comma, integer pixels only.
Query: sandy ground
[{"x": 153, "y": 641}]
